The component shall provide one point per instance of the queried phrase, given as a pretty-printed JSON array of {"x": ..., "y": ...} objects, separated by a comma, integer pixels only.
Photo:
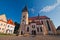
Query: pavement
[{"x": 37, "y": 37}]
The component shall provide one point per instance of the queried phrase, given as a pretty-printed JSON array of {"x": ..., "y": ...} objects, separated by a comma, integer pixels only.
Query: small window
[{"x": 8, "y": 25}]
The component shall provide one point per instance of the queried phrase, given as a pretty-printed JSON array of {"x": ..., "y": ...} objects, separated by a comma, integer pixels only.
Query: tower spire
[
  {"x": 25, "y": 9},
  {"x": 38, "y": 15}
]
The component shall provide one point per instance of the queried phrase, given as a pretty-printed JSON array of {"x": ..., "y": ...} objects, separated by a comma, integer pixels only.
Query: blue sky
[{"x": 13, "y": 9}]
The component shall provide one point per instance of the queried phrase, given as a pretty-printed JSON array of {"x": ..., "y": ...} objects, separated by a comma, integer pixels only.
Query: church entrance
[
  {"x": 21, "y": 32},
  {"x": 33, "y": 32}
]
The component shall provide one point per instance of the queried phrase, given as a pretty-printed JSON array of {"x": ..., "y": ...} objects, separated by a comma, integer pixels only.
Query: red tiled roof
[
  {"x": 40, "y": 17},
  {"x": 10, "y": 22}
]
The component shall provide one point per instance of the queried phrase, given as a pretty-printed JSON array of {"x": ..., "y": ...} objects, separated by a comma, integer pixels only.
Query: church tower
[
  {"x": 24, "y": 20},
  {"x": 25, "y": 15}
]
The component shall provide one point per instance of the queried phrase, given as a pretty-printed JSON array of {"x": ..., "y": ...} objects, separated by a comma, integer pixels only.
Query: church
[{"x": 38, "y": 25}]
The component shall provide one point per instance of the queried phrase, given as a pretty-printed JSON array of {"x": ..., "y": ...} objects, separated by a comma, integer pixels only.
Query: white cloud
[
  {"x": 50, "y": 7},
  {"x": 32, "y": 10}
]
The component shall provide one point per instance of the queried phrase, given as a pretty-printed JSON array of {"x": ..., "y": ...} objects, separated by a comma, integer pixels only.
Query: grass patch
[{"x": 4, "y": 34}]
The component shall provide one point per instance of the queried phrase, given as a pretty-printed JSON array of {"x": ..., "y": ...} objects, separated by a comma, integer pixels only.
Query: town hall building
[{"x": 38, "y": 25}]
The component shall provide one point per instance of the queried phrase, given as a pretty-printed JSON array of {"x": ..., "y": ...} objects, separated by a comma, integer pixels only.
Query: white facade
[
  {"x": 3, "y": 22},
  {"x": 2, "y": 26},
  {"x": 10, "y": 29},
  {"x": 6, "y": 28}
]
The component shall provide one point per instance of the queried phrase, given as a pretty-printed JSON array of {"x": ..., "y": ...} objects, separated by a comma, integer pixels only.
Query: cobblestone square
[{"x": 37, "y": 37}]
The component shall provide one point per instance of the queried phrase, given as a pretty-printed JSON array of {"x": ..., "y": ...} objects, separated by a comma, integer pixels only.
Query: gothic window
[
  {"x": 42, "y": 22},
  {"x": 41, "y": 29},
  {"x": 48, "y": 26},
  {"x": 27, "y": 29},
  {"x": 37, "y": 29}
]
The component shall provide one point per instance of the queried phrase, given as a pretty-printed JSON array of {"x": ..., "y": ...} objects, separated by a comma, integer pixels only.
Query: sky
[{"x": 13, "y": 9}]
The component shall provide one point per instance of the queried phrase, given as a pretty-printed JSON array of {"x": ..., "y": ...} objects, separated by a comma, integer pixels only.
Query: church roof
[{"x": 40, "y": 17}]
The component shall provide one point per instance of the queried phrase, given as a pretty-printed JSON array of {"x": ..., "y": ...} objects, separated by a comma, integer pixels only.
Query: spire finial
[
  {"x": 25, "y": 9},
  {"x": 38, "y": 15}
]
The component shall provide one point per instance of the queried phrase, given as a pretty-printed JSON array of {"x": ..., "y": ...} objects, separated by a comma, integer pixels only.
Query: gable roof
[{"x": 3, "y": 17}]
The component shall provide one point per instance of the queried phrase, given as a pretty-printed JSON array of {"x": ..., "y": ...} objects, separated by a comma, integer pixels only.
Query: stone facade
[{"x": 36, "y": 25}]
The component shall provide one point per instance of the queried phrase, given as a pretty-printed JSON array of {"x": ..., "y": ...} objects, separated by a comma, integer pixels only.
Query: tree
[
  {"x": 58, "y": 28},
  {"x": 17, "y": 25}
]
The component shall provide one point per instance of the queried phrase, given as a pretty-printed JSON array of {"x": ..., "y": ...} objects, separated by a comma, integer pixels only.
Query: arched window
[
  {"x": 40, "y": 29},
  {"x": 42, "y": 22},
  {"x": 37, "y": 29},
  {"x": 48, "y": 26},
  {"x": 27, "y": 29},
  {"x": 21, "y": 32}
]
